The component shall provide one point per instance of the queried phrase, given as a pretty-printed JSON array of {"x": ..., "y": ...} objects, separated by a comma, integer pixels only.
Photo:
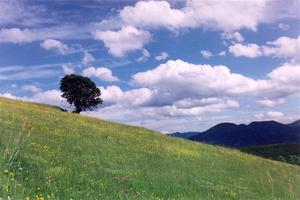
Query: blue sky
[{"x": 171, "y": 66}]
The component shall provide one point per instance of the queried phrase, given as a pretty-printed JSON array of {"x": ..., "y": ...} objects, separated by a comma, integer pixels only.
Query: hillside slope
[
  {"x": 49, "y": 154},
  {"x": 255, "y": 133}
]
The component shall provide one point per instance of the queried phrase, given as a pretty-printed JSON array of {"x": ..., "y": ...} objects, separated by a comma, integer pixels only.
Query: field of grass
[
  {"x": 289, "y": 153},
  {"x": 49, "y": 154}
]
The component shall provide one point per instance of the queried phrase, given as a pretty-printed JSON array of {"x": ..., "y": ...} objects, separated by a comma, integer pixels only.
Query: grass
[
  {"x": 49, "y": 154},
  {"x": 289, "y": 153}
]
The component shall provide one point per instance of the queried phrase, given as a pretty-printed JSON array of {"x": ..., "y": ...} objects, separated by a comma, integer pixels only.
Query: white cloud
[
  {"x": 31, "y": 88},
  {"x": 206, "y": 14},
  {"x": 162, "y": 56},
  {"x": 274, "y": 114},
  {"x": 16, "y": 35},
  {"x": 14, "y": 85},
  {"x": 102, "y": 73},
  {"x": 18, "y": 12},
  {"x": 235, "y": 36},
  {"x": 283, "y": 26},
  {"x": 137, "y": 15},
  {"x": 269, "y": 115},
  {"x": 209, "y": 14},
  {"x": 222, "y": 53},
  {"x": 52, "y": 97},
  {"x": 178, "y": 91},
  {"x": 271, "y": 103},
  {"x": 175, "y": 79},
  {"x": 87, "y": 58},
  {"x": 178, "y": 78},
  {"x": 219, "y": 106},
  {"x": 283, "y": 47},
  {"x": 123, "y": 41},
  {"x": 131, "y": 98},
  {"x": 248, "y": 50},
  {"x": 67, "y": 68},
  {"x": 8, "y": 95},
  {"x": 206, "y": 54},
  {"x": 145, "y": 56},
  {"x": 286, "y": 74},
  {"x": 26, "y": 35},
  {"x": 50, "y": 44}
]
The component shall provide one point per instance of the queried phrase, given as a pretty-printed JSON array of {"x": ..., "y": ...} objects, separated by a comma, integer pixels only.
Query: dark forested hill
[{"x": 256, "y": 133}]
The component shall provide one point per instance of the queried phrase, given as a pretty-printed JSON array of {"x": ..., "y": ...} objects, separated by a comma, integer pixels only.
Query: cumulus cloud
[
  {"x": 16, "y": 35},
  {"x": 283, "y": 26},
  {"x": 67, "y": 68},
  {"x": 52, "y": 97},
  {"x": 8, "y": 95},
  {"x": 248, "y": 50},
  {"x": 141, "y": 102},
  {"x": 271, "y": 103},
  {"x": 180, "y": 90},
  {"x": 123, "y": 41},
  {"x": 178, "y": 78},
  {"x": 145, "y": 56},
  {"x": 135, "y": 97},
  {"x": 234, "y": 36},
  {"x": 87, "y": 58},
  {"x": 162, "y": 56},
  {"x": 269, "y": 115},
  {"x": 31, "y": 88},
  {"x": 135, "y": 15},
  {"x": 208, "y": 14},
  {"x": 206, "y": 54},
  {"x": 222, "y": 53},
  {"x": 102, "y": 73},
  {"x": 283, "y": 47},
  {"x": 51, "y": 44},
  {"x": 274, "y": 114}
]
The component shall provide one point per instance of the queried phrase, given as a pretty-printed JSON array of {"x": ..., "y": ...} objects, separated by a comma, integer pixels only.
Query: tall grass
[{"x": 66, "y": 156}]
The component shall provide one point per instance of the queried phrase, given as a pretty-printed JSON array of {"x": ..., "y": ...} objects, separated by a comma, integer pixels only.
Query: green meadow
[{"x": 49, "y": 154}]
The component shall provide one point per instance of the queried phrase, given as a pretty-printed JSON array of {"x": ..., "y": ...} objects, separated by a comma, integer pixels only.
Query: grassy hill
[
  {"x": 49, "y": 154},
  {"x": 283, "y": 152}
]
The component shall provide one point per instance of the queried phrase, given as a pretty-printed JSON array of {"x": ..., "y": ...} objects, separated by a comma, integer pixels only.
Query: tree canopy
[{"x": 81, "y": 92}]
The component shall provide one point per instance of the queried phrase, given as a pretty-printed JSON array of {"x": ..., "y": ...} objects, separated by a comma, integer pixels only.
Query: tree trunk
[{"x": 77, "y": 110}]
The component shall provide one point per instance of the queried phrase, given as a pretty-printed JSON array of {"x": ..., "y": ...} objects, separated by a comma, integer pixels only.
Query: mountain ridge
[{"x": 255, "y": 133}]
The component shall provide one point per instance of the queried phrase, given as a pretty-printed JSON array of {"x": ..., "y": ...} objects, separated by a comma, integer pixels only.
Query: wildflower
[{"x": 6, "y": 188}]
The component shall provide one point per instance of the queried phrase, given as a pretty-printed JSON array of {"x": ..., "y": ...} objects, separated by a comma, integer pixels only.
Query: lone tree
[{"x": 81, "y": 92}]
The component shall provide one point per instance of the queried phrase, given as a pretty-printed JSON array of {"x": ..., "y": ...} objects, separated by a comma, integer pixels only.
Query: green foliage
[
  {"x": 289, "y": 153},
  {"x": 67, "y": 156},
  {"x": 81, "y": 92}
]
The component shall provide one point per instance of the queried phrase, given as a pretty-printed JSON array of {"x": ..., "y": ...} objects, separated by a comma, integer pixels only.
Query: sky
[{"x": 171, "y": 66}]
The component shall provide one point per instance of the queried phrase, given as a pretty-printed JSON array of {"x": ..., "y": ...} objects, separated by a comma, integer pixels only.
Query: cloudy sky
[{"x": 181, "y": 65}]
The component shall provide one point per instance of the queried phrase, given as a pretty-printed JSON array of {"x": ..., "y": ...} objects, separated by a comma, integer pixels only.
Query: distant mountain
[
  {"x": 185, "y": 135},
  {"x": 295, "y": 123},
  {"x": 256, "y": 133}
]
